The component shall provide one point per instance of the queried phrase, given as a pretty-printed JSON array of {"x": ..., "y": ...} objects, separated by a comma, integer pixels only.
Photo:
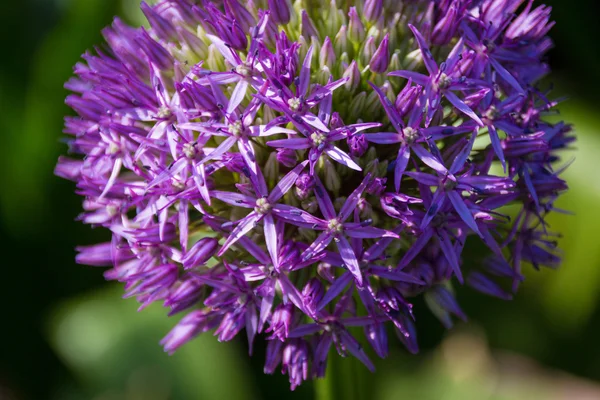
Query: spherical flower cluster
[{"x": 303, "y": 171}]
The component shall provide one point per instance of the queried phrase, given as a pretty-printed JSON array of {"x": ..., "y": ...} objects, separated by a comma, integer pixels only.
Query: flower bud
[
  {"x": 308, "y": 26},
  {"x": 304, "y": 186},
  {"x": 200, "y": 252},
  {"x": 163, "y": 28},
  {"x": 281, "y": 322},
  {"x": 445, "y": 29},
  {"x": 327, "y": 54},
  {"x": 312, "y": 294},
  {"x": 358, "y": 103},
  {"x": 271, "y": 170},
  {"x": 287, "y": 157},
  {"x": 332, "y": 178},
  {"x": 356, "y": 29},
  {"x": 377, "y": 186},
  {"x": 341, "y": 40},
  {"x": 280, "y": 11},
  {"x": 353, "y": 75},
  {"x": 357, "y": 144},
  {"x": 373, "y": 9},
  {"x": 380, "y": 60},
  {"x": 368, "y": 50},
  {"x": 336, "y": 120}
]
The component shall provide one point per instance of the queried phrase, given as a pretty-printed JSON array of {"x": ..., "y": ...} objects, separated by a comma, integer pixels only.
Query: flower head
[{"x": 265, "y": 169}]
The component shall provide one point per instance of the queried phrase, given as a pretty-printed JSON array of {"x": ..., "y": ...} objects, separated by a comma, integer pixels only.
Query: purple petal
[
  {"x": 369, "y": 232},
  {"x": 335, "y": 289},
  {"x": 428, "y": 59},
  {"x": 286, "y": 183},
  {"x": 450, "y": 254},
  {"x": 389, "y": 108},
  {"x": 416, "y": 248},
  {"x": 436, "y": 203},
  {"x": 271, "y": 239},
  {"x": 325, "y": 204},
  {"x": 349, "y": 258},
  {"x": 463, "y": 211},
  {"x": 305, "y": 73},
  {"x": 220, "y": 150},
  {"x": 340, "y": 156},
  {"x": 245, "y": 226},
  {"x": 294, "y": 144},
  {"x": 400, "y": 166},
  {"x": 352, "y": 200},
  {"x": 416, "y": 77},
  {"x": 458, "y": 103},
  {"x": 235, "y": 199},
  {"x": 298, "y": 217},
  {"x": 237, "y": 96},
  {"x": 429, "y": 159},
  {"x": 318, "y": 246},
  {"x": 384, "y": 137},
  {"x": 464, "y": 154}
]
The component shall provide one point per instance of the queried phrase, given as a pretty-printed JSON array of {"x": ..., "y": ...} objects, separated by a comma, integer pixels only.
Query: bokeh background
[{"x": 66, "y": 334}]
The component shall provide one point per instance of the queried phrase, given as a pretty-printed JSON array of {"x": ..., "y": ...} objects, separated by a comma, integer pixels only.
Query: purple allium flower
[{"x": 402, "y": 129}]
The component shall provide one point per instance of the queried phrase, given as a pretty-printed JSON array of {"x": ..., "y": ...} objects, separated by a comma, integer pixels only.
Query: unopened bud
[
  {"x": 353, "y": 75},
  {"x": 327, "y": 54},
  {"x": 280, "y": 11},
  {"x": 373, "y": 9},
  {"x": 341, "y": 40},
  {"x": 356, "y": 29},
  {"x": 380, "y": 60},
  {"x": 357, "y": 144},
  {"x": 368, "y": 50},
  {"x": 333, "y": 182}
]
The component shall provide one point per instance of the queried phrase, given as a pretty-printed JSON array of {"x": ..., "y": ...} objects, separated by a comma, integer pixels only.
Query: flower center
[
  {"x": 163, "y": 112},
  {"x": 335, "y": 226},
  {"x": 112, "y": 210},
  {"x": 318, "y": 139},
  {"x": 235, "y": 129},
  {"x": 449, "y": 184},
  {"x": 113, "y": 148},
  {"x": 491, "y": 113},
  {"x": 294, "y": 103},
  {"x": 444, "y": 81},
  {"x": 189, "y": 150},
  {"x": 262, "y": 206},
  {"x": 243, "y": 69},
  {"x": 410, "y": 135}
]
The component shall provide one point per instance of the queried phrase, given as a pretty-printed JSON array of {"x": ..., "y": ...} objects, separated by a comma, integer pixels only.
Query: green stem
[{"x": 345, "y": 379}]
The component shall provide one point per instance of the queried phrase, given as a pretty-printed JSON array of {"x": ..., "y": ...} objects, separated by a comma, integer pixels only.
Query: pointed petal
[
  {"x": 384, "y": 137},
  {"x": 335, "y": 289},
  {"x": 465, "y": 109},
  {"x": 286, "y": 183},
  {"x": 325, "y": 204},
  {"x": 235, "y": 199},
  {"x": 305, "y": 73},
  {"x": 349, "y": 258},
  {"x": 428, "y": 59},
  {"x": 463, "y": 211},
  {"x": 463, "y": 155},
  {"x": 237, "y": 96},
  {"x": 429, "y": 159},
  {"x": 400, "y": 166},
  {"x": 389, "y": 108},
  {"x": 340, "y": 156},
  {"x": 271, "y": 239},
  {"x": 245, "y": 226},
  {"x": 352, "y": 200},
  {"x": 450, "y": 254}
]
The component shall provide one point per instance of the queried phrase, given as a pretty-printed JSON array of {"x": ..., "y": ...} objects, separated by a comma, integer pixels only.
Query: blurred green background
[{"x": 66, "y": 334}]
